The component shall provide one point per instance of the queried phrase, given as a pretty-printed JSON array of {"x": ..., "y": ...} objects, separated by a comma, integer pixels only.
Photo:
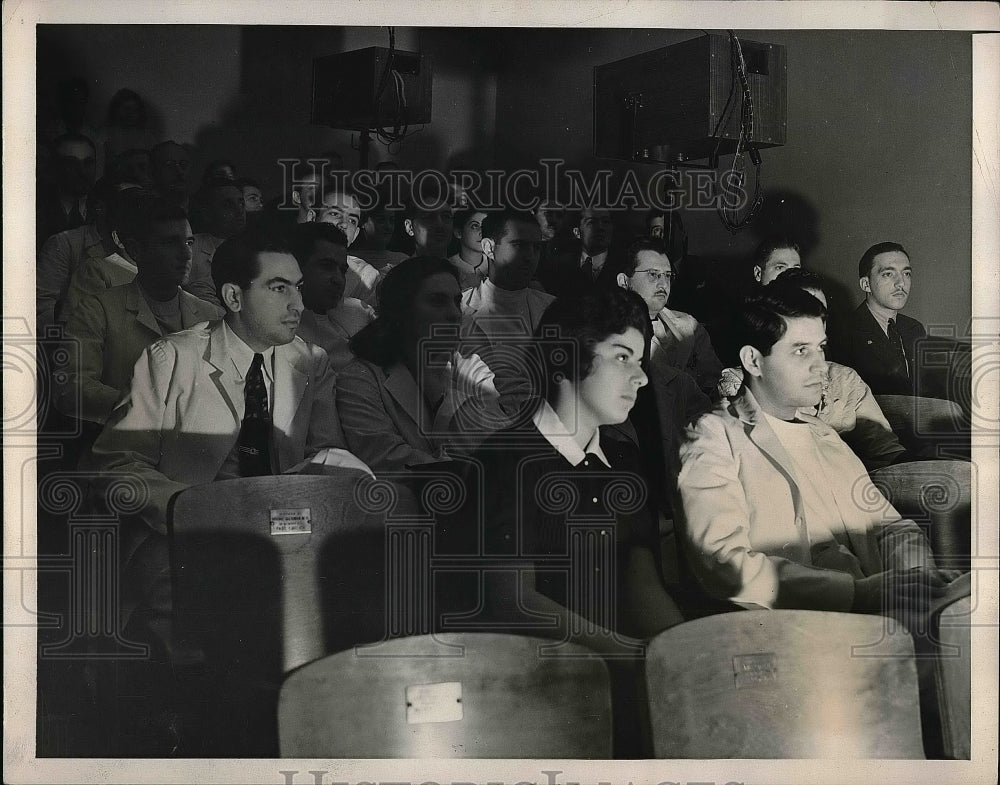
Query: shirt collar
[
  {"x": 597, "y": 260},
  {"x": 555, "y": 432},
  {"x": 242, "y": 355},
  {"x": 883, "y": 321}
]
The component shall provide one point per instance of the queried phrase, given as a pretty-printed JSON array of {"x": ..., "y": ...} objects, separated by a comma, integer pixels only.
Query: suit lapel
[
  {"x": 289, "y": 387},
  {"x": 136, "y": 304},
  {"x": 222, "y": 371}
]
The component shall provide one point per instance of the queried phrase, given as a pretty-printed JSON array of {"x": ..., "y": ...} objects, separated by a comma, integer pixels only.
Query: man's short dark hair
[
  {"x": 303, "y": 238},
  {"x": 637, "y": 247},
  {"x": 237, "y": 260},
  {"x": 868, "y": 258},
  {"x": 802, "y": 278},
  {"x": 495, "y": 224},
  {"x": 769, "y": 245},
  {"x": 584, "y": 321},
  {"x": 431, "y": 195},
  {"x": 247, "y": 182},
  {"x": 763, "y": 317},
  {"x": 159, "y": 146}
]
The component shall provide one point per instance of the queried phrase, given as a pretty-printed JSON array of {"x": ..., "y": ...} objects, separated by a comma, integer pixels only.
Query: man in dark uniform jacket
[{"x": 879, "y": 342}]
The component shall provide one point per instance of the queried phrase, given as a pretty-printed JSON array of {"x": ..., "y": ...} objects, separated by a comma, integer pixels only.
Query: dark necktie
[
  {"x": 255, "y": 433},
  {"x": 588, "y": 268},
  {"x": 896, "y": 341}
]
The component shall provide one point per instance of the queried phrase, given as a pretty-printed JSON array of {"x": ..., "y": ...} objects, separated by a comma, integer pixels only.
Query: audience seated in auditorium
[
  {"x": 777, "y": 510},
  {"x": 877, "y": 340},
  {"x": 170, "y": 168},
  {"x": 223, "y": 212},
  {"x": 557, "y": 235},
  {"x": 108, "y": 331},
  {"x": 62, "y": 205},
  {"x": 329, "y": 319},
  {"x": 590, "y": 264},
  {"x": 409, "y": 395},
  {"x": 469, "y": 260},
  {"x": 679, "y": 341},
  {"x": 846, "y": 404}
]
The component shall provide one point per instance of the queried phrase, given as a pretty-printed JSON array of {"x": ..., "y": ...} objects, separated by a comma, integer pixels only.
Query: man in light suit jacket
[
  {"x": 109, "y": 331},
  {"x": 180, "y": 423},
  {"x": 777, "y": 511}
]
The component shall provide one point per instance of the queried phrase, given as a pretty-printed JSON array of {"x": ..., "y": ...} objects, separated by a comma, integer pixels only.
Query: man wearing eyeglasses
[{"x": 679, "y": 340}]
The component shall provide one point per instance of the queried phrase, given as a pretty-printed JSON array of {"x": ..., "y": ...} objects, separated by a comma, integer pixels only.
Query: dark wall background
[
  {"x": 879, "y": 147},
  {"x": 879, "y": 123}
]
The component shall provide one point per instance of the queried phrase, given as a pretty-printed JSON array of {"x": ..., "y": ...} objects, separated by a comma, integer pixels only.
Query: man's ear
[
  {"x": 408, "y": 226},
  {"x": 488, "y": 247},
  {"x": 757, "y": 272},
  {"x": 232, "y": 297},
  {"x": 297, "y": 198},
  {"x": 623, "y": 281},
  {"x": 576, "y": 232},
  {"x": 750, "y": 360},
  {"x": 133, "y": 248},
  {"x": 865, "y": 285}
]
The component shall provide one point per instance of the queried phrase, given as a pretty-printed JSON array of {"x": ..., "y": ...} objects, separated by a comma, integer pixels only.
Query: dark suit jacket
[
  {"x": 860, "y": 344},
  {"x": 562, "y": 276}
]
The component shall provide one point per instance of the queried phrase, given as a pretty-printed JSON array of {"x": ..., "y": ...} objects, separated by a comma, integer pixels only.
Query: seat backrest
[
  {"x": 281, "y": 570},
  {"x": 783, "y": 684},
  {"x": 937, "y": 494},
  {"x": 927, "y": 426},
  {"x": 484, "y": 695},
  {"x": 953, "y": 677}
]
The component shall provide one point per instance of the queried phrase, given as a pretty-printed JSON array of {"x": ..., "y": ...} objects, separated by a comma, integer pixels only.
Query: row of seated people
[{"x": 242, "y": 395}]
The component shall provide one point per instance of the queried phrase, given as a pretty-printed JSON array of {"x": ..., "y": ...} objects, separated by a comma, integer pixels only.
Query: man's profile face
[
  {"x": 431, "y": 230},
  {"x": 342, "y": 211},
  {"x": 471, "y": 235},
  {"x": 134, "y": 167},
  {"x": 253, "y": 199},
  {"x": 791, "y": 377},
  {"x": 888, "y": 283},
  {"x": 324, "y": 276},
  {"x": 271, "y": 307},
  {"x": 226, "y": 211},
  {"x": 651, "y": 279},
  {"x": 780, "y": 260},
  {"x": 76, "y": 167},
  {"x": 595, "y": 231},
  {"x": 515, "y": 255},
  {"x": 164, "y": 255},
  {"x": 170, "y": 166},
  {"x": 608, "y": 393}
]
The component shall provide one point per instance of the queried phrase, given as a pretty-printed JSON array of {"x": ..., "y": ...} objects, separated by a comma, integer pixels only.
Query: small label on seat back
[
  {"x": 752, "y": 670},
  {"x": 440, "y": 702},
  {"x": 292, "y": 521}
]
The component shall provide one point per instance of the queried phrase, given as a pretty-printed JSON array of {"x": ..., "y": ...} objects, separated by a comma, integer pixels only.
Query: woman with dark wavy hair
[{"x": 409, "y": 394}]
